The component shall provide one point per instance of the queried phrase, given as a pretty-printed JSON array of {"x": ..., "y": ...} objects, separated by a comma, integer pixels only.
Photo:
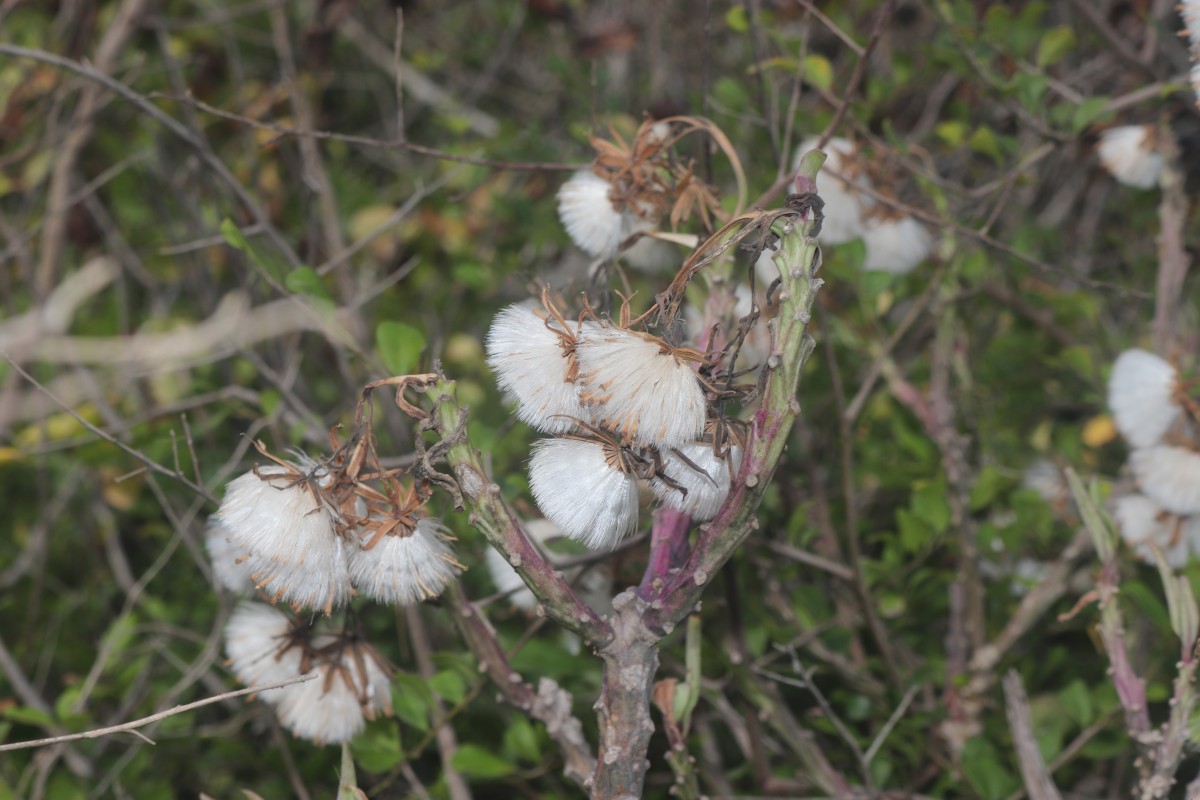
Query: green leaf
[
  {"x": 29, "y": 716},
  {"x": 952, "y": 132},
  {"x": 1090, "y": 110},
  {"x": 988, "y": 774},
  {"x": 818, "y": 71},
  {"x": 521, "y": 740},
  {"x": 983, "y": 140},
  {"x": 737, "y": 20},
  {"x": 986, "y": 488},
  {"x": 477, "y": 762},
  {"x": 306, "y": 281},
  {"x": 1055, "y": 44},
  {"x": 1077, "y": 702},
  {"x": 450, "y": 685},
  {"x": 399, "y": 346},
  {"x": 378, "y": 749},
  {"x": 929, "y": 503},
  {"x": 234, "y": 237},
  {"x": 412, "y": 700}
]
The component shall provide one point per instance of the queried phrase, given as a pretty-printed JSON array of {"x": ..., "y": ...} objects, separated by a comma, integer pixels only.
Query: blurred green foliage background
[{"x": 254, "y": 302}]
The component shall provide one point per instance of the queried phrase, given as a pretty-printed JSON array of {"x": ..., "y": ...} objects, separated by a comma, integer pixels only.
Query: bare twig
[
  {"x": 130, "y": 727},
  {"x": 1038, "y": 782}
]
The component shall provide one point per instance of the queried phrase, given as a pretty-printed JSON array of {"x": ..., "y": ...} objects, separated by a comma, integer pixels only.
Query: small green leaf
[
  {"x": 952, "y": 132},
  {"x": 377, "y": 749},
  {"x": 412, "y": 701},
  {"x": 737, "y": 20},
  {"x": 477, "y": 762},
  {"x": 233, "y": 235},
  {"x": 1077, "y": 702},
  {"x": 399, "y": 346},
  {"x": 521, "y": 740},
  {"x": 29, "y": 716},
  {"x": 929, "y": 503},
  {"x": 818, "y": 71},
  {"x": 1090, "y": 110},
  {"x": 450, "y": 685},
  {"x": 984, "y": 141},
  {"x": 306, "y": 281},
  {"x": 1055, "y": 44}
]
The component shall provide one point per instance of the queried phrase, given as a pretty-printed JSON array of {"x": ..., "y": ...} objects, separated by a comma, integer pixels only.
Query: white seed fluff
[
  {"x": 531, "y": 366},
  {"x": 589, "y": 217},
  {"x": 706, "y": 490},
  {"x": 845, "y": 203},
  {"x": 576, "y": 489},
  {"x": 633, "y": 384},
  {"x": 1170, "y": 476},
  {"x": 1140, "y": 395},
  {"x": 255, "y": 638},
  {"x": 1128, "y": 153},
  {"x": 293, "y": 552},
  {"x": 1143, "y": 522},
  {"x": 325, "y": 710},
  {"x": 896, "y": 245},
  {"x": 405, "y": 570},
  {"x": 228, "y": 560}
]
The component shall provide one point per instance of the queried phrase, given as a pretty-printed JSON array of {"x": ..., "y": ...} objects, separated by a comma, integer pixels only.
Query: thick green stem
[
  {"x": 492, "y": 516},
  {"x": 798, "y": 260}
]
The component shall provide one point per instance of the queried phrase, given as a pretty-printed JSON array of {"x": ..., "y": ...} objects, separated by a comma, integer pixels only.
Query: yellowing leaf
[
  {"x": 1099, "y": 431},
  {"x": 818, "y": 71},
  {"x": 8, "y": 454}
]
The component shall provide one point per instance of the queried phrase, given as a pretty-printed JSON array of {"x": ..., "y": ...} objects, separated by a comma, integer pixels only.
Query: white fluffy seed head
[
  {"x": 706, "y": 489},
  {"x": 1129, "y": 154},
  {"x": 1045, "y": 478},
  {"x": 325, "y": 710},
  {"x": 1141, "y": 397},
  {"x": 256, "y": 642},
  {"x": 1170, "y": 476},
  {"x": 578, "y": 490},
  {"x": 293, "y": 553},
  {"x": 532, "y": 366},
  {"x": 228, "y": 560},
  {"x": 634, "y": 384},
  {"x": 404, "y": 570},
  {"x": 589, "y": 217},
  {"x": 896, "y": 245},
  {"x": 845, "y": 203},
  {"x": 1142, "y": 523}
]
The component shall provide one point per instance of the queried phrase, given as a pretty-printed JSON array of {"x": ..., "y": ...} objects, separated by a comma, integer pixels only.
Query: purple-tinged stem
[{"x": 669, "y": 549}]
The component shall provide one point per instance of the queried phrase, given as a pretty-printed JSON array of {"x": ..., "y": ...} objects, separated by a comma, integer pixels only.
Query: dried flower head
[
  {"x": 353, "y": 685},
  {"x": 1130, "y": 154},
  {"x": 405, "y": 565},
  {"x": 1141, "y": 395},
  {"x": 1143, "y": 523},
  {"x": 534, "y": 362},
  {"x": 695, "y": 480},
  {"x": 640, "y": 386},
  {"x": 280, "y": 517},
  {"x": 1170, "y": 476},
  {"x": 259, "y": 641},
  {"x": 895, "y": 244},
  {"x": 587, "y": 488},
  {"x": 229, "y": 567},
  {"x": 591, "y": 220}
]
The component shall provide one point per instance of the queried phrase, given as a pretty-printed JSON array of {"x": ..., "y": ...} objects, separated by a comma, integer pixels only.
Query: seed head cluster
[
  {"x": 1158, "y": 414},
  {"x": 625, "y": 406}
]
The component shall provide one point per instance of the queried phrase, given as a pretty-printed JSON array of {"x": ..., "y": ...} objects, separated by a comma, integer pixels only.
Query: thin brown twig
[
  {"x": 150, "y": 463},
  {"x": 129, "y": 727},
  {"x": 366, "y": 141}
]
